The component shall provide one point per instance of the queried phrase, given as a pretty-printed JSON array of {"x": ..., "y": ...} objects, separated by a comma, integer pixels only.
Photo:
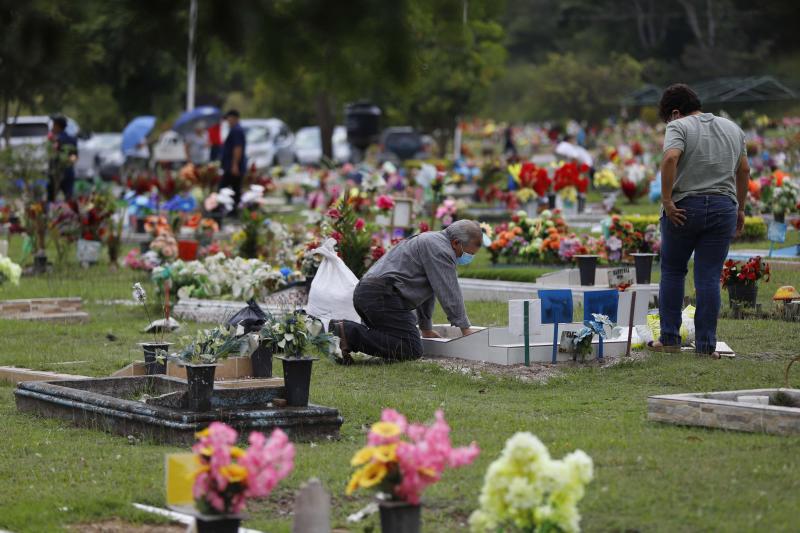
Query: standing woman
[{"x": 704, "y": 178}]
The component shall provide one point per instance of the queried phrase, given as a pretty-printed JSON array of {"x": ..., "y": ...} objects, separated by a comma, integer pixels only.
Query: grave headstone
[
  {"x": 312, "y": 509},
  {"x": 516, "y": 321}
]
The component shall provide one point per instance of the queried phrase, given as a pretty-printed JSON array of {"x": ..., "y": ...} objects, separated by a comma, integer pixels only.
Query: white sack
[{"x": 331, "y": 294}]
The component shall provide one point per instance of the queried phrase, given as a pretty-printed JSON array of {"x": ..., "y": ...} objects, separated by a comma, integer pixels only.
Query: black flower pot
[
  {"x": 581, "y": 202},
  {"x": 151, "y": 365},
  {"x": 200, "y": 379},
  {"x": 211, "y": 523},
  {"x": 217, "y": 524},
  {"x": 400, "y": 517},
  {"x": 297, "y": 379},
  {"x": 39, "y": 263},
  {"x": 587, "y": 264},
  {"x": 743, "y": 294},
  {"x": 644, "y": 267},
  {"x": 261, "y": 359},
  {"x": 551, "y": 200}
]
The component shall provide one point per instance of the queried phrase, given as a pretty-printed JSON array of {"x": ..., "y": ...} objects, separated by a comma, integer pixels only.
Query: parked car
[
  {"x": 100, "y": 155},
  {"x": 269, "y": 142},
  {"x": 31, "y": 132},
  {"x": 400, "y": 144},
  {"x": 308, "y": 145}
]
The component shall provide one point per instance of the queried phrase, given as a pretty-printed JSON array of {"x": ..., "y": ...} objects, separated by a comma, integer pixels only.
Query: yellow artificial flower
[
  {"x": 430, "y": 472},
  {"x": 201, "y": 469},
  {"x": 234, "y": 473},
  {"x": 208, "y": 451},
  {"x": 362, "y": 456},
  {"x": 354, "y": 192},
  {"x": 237, "y": 453},
  {"x": 354, "y": 482},
  {"x": 514, "y": 170},
  {"x": 526, "y": 195},
  {"x": 372, "y": 474},
  {"x": 201, "y": 434},
  {"x": 569, "y": 194},
  {"x": 386, "y": 453},
  {"x": 386, "y": 429}
]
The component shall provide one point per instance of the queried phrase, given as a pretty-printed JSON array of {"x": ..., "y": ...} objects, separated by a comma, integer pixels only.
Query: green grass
[{"x": 649, "y": 477}]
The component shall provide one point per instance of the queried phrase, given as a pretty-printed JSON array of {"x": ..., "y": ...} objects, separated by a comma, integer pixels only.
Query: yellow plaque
[{"x": 179, "y": 474}]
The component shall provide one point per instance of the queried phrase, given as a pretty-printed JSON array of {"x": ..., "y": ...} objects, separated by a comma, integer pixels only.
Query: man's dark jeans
[
  {"x": 390, "y": 326},
  {"x": 709, "y": 228}
]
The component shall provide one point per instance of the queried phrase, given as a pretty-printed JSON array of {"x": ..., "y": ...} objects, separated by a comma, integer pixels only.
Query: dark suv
[{"x": 401, "y": 143}]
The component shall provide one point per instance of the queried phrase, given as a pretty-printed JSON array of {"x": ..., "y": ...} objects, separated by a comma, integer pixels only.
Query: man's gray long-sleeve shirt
[{"x": 421, "y": 268}]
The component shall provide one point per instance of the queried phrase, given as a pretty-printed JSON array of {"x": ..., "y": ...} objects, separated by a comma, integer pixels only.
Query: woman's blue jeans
[{"x": 709, "y": 228}]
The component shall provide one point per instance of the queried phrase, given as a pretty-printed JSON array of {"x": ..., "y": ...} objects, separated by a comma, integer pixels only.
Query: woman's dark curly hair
[{"x": 678, "y": 96}]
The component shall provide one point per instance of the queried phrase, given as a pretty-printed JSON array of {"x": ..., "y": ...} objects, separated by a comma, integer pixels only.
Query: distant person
[
  {"x": 234, "y": 162},
  {"x": 704, "y": 178},
  {"x": 197, "y": 146},
  {"x": 63, "y": 155},
  {"x": 215, "y": 140},
  {"x": 509, "y": 148}
]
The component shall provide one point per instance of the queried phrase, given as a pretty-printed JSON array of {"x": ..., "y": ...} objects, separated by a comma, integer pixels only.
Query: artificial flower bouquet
[
  {"x": 352, "y": 233},
  {"x": 527, "y": 490},
  {"x": 570, "y": 179},
  {"x": 296, "y": 333},
  {"x": 532, "y": 181},
  {"x": 9, "y": 271},
  {"x": 736, "y": 272},
  {"x": 229, "y": 476},
  {"x": 582, "y": 341},
  {"x": 208, "y": 346},
  {"x": 401, "y": 460}
]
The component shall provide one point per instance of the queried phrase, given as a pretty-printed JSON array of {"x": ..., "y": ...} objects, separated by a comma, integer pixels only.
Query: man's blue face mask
[{"x": 466, "y": 258}]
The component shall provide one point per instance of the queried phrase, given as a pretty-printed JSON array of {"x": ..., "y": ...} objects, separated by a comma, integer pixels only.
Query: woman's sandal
[{"x": 657, "y": 347}]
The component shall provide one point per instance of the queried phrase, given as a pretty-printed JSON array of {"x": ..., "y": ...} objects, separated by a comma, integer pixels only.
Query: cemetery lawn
[{"x": 649, "y": 477}]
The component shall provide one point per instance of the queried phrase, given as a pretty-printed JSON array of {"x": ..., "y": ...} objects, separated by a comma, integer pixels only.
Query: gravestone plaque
[
  {"x": 620, "y": 276},
  {"x": 566, "y": 345}
]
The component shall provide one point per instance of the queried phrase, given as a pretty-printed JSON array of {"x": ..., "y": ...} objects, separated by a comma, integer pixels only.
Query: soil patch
[{"x": 118, "y": 526}]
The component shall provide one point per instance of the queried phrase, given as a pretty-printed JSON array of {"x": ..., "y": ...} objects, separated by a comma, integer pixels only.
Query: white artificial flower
[{"x": 139, "y": 293}]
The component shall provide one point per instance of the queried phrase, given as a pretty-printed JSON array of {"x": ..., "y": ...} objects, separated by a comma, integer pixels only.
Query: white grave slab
[{"x": 500, "y": 346}]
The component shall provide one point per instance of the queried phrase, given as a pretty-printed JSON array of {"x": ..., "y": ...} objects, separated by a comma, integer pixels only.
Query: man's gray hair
[{"x": 464, "y": 231}]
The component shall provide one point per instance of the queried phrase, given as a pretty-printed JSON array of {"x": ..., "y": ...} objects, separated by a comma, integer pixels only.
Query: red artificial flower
[
  {"x": 424, "y": 227},
  {"x": 384, "y": 202},
  {"x": 377, "y": 252},
  {"x": 334, "y": 213},
  {"x": 336, "y": 236},
  {"x": 359, "y": 225}
]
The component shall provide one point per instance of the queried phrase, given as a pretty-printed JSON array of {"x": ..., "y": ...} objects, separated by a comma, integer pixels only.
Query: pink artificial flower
[
  {"x": 211, "y": 203},
  {"x": 359, "y": 225},
  {"x": 384, "y": 202},
  {"x": 334, "y": 213}
]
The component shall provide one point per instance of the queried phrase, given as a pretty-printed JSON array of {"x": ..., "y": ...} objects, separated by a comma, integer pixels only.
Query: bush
[{"x": 755, "y": 229}]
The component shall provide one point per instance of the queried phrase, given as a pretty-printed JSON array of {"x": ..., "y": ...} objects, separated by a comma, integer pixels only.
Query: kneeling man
[{"x": 397, "y": 294}]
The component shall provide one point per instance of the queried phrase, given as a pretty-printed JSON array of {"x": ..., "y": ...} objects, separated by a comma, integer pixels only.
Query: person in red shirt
[{"x": 215, "y": 140}]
